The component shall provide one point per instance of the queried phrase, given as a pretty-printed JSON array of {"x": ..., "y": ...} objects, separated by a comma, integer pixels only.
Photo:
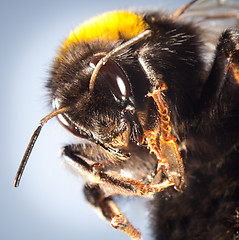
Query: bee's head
[
  {"x": 88, "y": 80},
  {"x": 106, "y": 113}
]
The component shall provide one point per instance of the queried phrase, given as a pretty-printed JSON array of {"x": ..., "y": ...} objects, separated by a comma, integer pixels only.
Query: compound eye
[{"x": 115, "y": 78}]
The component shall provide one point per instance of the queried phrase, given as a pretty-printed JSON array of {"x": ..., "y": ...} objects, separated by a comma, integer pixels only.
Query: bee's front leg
[
  {"x": 101, "y": 179},
  {"x": 97, "y": 174}
]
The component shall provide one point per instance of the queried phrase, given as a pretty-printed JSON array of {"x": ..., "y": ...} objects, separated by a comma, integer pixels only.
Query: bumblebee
[{"x": 154, "y": 100}]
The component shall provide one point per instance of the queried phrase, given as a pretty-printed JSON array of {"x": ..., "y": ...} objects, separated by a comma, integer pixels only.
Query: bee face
[{"x": 107, "y": 114}]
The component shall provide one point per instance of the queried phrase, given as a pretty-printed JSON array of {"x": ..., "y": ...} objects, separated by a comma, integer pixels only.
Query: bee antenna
[
  {"x": 32, "y": 143},
  {"x": 179, "y": 12},
  {"x": 103, "y": 60}
]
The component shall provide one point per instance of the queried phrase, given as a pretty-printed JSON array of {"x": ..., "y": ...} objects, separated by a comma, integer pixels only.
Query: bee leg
[
  {"x": 108, "y": 208},
  {"x": 128, "y": 186},
  {"x": 118, "y": 183},
  {"x": 163, "y": 144},
  {"x": 226, "y": 64},
  {"x": 113, "y": 182}
]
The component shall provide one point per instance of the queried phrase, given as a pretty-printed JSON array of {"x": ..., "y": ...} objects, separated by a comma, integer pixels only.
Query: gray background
[{"x": 49, "y": 203}]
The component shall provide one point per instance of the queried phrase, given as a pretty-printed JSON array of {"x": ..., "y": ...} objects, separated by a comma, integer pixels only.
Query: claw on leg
[{"x": 121, "y": 223}]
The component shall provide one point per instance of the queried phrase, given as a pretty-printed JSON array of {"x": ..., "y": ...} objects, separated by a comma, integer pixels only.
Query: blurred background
[{"x": 49, "y": 203}]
